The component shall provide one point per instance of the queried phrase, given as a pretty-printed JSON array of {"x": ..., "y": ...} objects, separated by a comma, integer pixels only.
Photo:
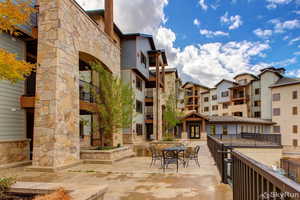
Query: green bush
[{"x": 5, "y": 184}]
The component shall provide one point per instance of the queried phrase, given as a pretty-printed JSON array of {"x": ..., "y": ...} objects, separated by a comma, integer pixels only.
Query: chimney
[{"x": 109, "y": 17}]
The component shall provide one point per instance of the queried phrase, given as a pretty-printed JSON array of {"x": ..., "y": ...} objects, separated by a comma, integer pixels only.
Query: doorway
[
  {"x": 30, "y": 128},
  {"x": 194, "y": 130}
]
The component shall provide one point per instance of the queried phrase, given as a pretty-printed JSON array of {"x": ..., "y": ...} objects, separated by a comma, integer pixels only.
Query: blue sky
[{"x": 207, "y": 40}]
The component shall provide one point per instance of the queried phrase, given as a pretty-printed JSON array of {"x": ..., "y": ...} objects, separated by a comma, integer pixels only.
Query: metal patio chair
[
  {"x": 193, "y": 155},
  {"x": 156, "y": 155}
]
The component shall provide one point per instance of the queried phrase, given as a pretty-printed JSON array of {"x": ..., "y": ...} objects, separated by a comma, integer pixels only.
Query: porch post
[
  {"x": 203, "y": 130},
  {"x": 184, "y": 132}
]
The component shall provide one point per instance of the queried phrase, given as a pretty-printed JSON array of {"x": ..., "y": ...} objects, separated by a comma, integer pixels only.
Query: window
[
  {"x": 215, "y": 107},
  {"x": 139, "y": 106},
  {"x": 206, "y": 99},
  {"x": 225, "y": 105},
  {"x": 214, "y": 97},
  {"x": 256, "y": 103},
  {"x": 225, "y": 130},
  {"x": 257, "y": 91},
  {"x": 139, "y": 129},
  {"x": 143, "y": 59},
  {"x": 225, "y": 94},
  {"x": 295, "y": 94},
  {"x": 276, "y": 111},
  {"x": 139, "y": 83},
  {"x": 206, "y": 109},
  {"x": 213, "y": 129},
  {"x": 295, "y": 143},
  {"x": 81, "y": 129},
  {"x": 276, "y": 97},
  {"x": 196, "y": 92},
  {"x": 225, "y": 114},
  {"x": 238, "y": 114},
  {"x": 295, "y": 129},
  {"x": 295, "y": 110},
  {"x": 276, "y": 129},
  {"x": 257, "y": 114}
]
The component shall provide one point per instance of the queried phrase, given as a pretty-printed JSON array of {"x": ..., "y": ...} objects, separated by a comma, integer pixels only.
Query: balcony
[
  {"x": 249, "y": 179},
  {"x": 149, "y": 117},
  {"x": 87, "y": 101},
  {"x": 149, "y": 94}
]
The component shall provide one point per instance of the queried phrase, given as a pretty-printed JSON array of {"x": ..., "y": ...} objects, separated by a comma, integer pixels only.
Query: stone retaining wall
[
  {"x": 13, "y": 151},
  {"x": 106, "y": 156}
]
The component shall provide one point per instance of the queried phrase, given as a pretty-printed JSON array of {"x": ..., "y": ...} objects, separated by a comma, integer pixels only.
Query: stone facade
[
  {"x": 64, "y": 31},
  {"x": 14, "y": 151}
]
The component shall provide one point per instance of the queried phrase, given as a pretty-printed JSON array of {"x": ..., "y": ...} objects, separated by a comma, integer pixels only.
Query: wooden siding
[{"x": 12, "y": 117}]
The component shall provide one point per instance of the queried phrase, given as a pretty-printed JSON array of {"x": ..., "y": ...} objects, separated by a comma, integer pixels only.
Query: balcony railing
[
  {"x": 149, "y": 116},
  {"x": 87, "y": 91},
  {"x": 149, "y": 93},
  {"x": 249, "y": 178}
]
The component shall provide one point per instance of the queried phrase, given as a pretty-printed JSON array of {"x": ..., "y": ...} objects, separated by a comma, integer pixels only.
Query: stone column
[
  {"x": 56, "y": 139},
  {"x": 184, "y": 131},
  {"x": 203, "y": 130}
]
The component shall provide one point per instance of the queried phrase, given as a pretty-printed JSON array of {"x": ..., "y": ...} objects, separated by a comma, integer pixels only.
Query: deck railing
[
  {"x": 291, "y": 168},
  {"x": 250, "y": 179},
  {"x": 250, "y": 140}
]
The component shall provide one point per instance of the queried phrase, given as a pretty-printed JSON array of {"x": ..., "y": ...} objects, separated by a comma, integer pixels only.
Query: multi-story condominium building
[
  {"x": 286, "y": 111},
  {"x": 135, "y": 72},
  {"x": 192, "y": 95}
]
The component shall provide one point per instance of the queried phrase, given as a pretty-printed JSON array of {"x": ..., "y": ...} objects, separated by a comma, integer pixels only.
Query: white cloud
[
  {"x": 234, "y": 22},
  {"x": 203, "y": 5},
  {"x": 211, "y": 34},
  {"x": 209, "y": 63},
  {"x": 130, "y": 17},
  {"x": 295, "y": 73},
  {"x": 263, "y": 33},
  {"x": 197, "y": 22},
  {"x": 297, "y": 39},
  {"x": 297, "y": 12},
  {"x": 297, "y": 53},
  {"x": 284, "y": 63},
  {"x": 280, "y": 27},
  {"x": 272, "y": 4}
]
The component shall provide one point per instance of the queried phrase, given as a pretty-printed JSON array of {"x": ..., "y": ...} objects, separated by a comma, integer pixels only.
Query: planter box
[
  {"x": 77, "y": 192},
  {"x": 106, "y": 156}
]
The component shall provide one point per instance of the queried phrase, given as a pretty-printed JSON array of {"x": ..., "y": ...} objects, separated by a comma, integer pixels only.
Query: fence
[
  {"x": 291, "y": 168},
  {"x": 250, "y": 140},
  {"x": 250, "y": 179}
]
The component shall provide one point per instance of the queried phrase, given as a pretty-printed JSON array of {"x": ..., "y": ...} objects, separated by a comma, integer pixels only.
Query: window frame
[
  {"x": 143, "y": 59},
  {"x": 276, "y": 129},
  {"x": 295, "y": 94},
  {"x": 295, "y": 129},
  {"x": 295, "y": 110},
  {"x": 276, "y": 114},
  {"x": 276, "y": 97},
  {"x": 138, "y": 79},
  {"x": 139, "y": 129},
  {"x": 225, "y": 93},
  {"x": 257, "y": 91},
  {"x": 137, "y": 107}
]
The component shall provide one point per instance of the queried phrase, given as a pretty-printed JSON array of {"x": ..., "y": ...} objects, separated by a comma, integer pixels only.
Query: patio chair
[
  {"x": 193, "y": 155},
  {"x": 170, "y": 157},
  {"x": 156, "y": 155}
]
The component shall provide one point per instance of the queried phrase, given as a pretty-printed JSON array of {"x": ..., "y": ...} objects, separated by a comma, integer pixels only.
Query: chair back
[
  {"x": 197, "y": 148},
  {"x": 169, "y": 154}
]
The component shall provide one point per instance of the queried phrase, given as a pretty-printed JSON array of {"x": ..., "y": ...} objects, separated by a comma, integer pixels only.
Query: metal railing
[
  {"x": 250, "y": 179},
  {"x": 87, "y": 91},
  {"x": 149, "y": 93},
  {"x": 149, "y": 116},
  {"x": 250, "y": 140},
  {"x": 291, "y": 168}
]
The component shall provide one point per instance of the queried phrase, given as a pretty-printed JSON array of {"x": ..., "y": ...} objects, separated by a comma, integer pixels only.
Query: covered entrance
[{"x": 194, "y": 126}]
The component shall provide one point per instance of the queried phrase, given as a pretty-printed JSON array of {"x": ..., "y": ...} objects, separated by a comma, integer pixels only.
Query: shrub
[{"x": 5, "y": 184}]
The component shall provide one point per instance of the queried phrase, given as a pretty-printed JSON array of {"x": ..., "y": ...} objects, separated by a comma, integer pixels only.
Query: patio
[{"x": 132, "y": 179}]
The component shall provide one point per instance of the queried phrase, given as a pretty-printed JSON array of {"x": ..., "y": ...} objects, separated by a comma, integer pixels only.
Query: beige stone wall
[
  {"x": 238, "y": 108},
  {"x": 14, "y": 151},
  {"x": 287, "y": 120},
  {"x": 64, "y": 31}
]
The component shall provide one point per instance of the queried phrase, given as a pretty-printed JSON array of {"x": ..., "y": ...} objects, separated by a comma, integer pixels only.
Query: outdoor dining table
[{"x": 171, "y": 155}]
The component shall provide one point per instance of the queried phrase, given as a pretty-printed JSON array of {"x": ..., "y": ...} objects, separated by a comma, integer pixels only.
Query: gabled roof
[
  {"x": 243, "y": 74},
  {"x": 191, "y": 113},
  {"x": 225, "y": 80},
  {"x": 196, "y": 84},
  {"x": 286, "y": 81},
  {"x": 134, "y": 35},
  {"x": 273, "y": 70}
]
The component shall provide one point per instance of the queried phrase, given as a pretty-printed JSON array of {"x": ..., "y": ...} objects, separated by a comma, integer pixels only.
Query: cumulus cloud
[
  {"x": 211, "y": 34},
  {"x": 280, "y": 27},
  {"x": 203, "y": 5},
  {"x": 234, "y": 22},
  {"x": 197, "y": 22},
  {"x": 294, "y": 73},
  {"x": 130, "y": 17},
  {"x": 208, "y": 63},
  {"x": 263, "y": 33}
]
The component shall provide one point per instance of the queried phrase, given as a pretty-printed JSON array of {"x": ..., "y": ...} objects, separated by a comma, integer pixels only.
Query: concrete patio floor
[{"x": 132, "y": 179}]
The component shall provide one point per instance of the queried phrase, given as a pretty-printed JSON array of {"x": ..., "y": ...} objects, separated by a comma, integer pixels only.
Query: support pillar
[
  {"x": 184, "y": 131},
  {"x": 203, "y": 130},
  {"x": 56, "y": 127}
]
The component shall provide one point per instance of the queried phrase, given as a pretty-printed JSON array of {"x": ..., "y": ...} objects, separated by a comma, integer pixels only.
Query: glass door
[{"x": 194, "y": 130}]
